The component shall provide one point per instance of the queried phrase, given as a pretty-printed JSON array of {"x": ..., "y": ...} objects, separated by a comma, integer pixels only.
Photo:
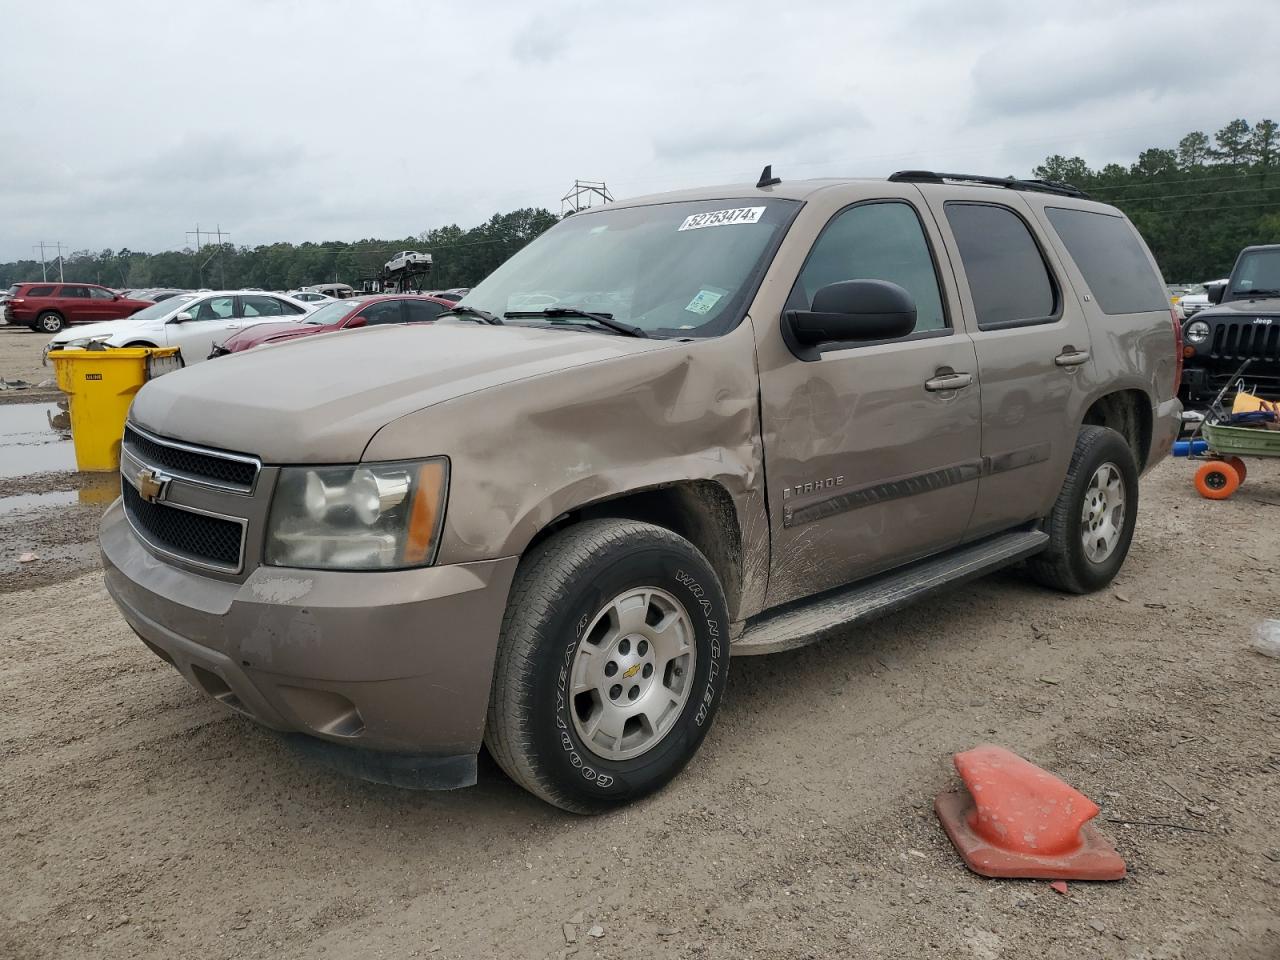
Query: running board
[{"x": 807, "y": 621}]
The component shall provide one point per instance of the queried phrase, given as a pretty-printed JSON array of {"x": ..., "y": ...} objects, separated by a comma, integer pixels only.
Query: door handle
[
  {"x": 1072, "y": 358},
  {"x": 948, "y": 381}
]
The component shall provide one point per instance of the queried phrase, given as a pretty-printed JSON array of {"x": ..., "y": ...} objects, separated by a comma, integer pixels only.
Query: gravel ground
[
  {"x": 20, "y": 351},
  {"x": 138, "y": 819}
]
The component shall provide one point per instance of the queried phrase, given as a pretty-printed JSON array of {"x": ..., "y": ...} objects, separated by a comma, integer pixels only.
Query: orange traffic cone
[{"x": 1020, "y": 821}]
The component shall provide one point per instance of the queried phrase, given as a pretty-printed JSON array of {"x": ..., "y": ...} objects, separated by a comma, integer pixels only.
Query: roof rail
[{"x": 1010, "y": 183}]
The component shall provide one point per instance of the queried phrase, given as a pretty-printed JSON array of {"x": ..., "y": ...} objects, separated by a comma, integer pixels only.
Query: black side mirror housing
[
  {"x": 1216, "y": 292},
  {"x": 850, "y": 311}
]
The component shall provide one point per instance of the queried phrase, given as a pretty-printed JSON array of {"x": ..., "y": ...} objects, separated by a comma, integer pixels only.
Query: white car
[
  {"x": 311, "y": 297},
  {"x": 1194, "y": 302},
  {"x": 408, "y": 258},
  {"x": 190, "y": 321}
]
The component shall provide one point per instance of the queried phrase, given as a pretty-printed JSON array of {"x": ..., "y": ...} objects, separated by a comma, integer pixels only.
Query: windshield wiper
[
  {"x": 604, "y": 319},
  {"x": 484, "y": 316},
  {"x": 1266, "y": 292}
]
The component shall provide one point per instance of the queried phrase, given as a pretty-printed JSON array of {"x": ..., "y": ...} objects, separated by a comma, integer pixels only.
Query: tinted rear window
[
  {"x": 1007, "y": 276},
  {"x": 40, "y": 292},
  {"x": 1111, "y": 260}
]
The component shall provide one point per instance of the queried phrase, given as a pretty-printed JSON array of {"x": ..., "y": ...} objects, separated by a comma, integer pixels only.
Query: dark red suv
[
  {"x": 339, "y": 315},
  {"x": 48, "y": 307}
]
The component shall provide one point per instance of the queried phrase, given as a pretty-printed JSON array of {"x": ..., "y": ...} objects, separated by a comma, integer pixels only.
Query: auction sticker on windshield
[{"x": 721, "y": 218}]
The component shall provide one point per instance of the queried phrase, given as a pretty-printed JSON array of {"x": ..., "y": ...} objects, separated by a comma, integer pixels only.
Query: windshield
[
  {"x": 330, "y": 312},
  {"x": 672, "y": 269},
  {"x": 163, "y": 308},
  {"x": 1258, "y": 270}
]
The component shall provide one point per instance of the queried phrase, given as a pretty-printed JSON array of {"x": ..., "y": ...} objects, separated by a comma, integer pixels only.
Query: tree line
[
  {"x": 461, "y": 258},
  {"x": 1197, "y": 203}
]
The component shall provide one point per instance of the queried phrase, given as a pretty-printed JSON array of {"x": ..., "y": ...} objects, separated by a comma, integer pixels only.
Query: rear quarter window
[
  {"x": 1112, "y": 260},
  {"x": 40, "y": 292}
]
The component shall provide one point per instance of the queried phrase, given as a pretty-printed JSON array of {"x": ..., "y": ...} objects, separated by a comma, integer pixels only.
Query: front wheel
[
  {"x": 49, "y": 322},
  {"x": 1092, "y": 522},
  {"x": 611, "y": 664}
]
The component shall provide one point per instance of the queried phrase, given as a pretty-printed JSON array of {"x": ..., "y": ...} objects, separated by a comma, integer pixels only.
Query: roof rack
[{"x": 1010, "y": 183}]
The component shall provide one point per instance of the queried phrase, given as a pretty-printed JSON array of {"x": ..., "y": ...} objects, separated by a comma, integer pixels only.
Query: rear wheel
[
  {"x": 1092, "y": 522},
  {"x": 1238, "y": 466},
  {"x": 1217, "y": 480},
  {"x": 139, "y": 343},
  {"x": 49, "y": 322},
  {"x": 611, "y": 665}
]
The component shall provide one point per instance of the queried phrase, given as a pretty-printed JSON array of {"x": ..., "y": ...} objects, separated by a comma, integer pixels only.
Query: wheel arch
[
  {"x": 1127, "y": 412},
  {"x": 701, "y": 511}
]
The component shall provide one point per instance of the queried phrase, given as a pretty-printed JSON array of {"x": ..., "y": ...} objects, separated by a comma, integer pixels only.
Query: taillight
[
  {"x": 16, "y": 300},
  {"x": 1177, "y": 352}
]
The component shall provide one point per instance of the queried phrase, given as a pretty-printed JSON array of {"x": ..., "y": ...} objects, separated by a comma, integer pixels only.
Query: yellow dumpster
[{"x": 101, "y": 385}]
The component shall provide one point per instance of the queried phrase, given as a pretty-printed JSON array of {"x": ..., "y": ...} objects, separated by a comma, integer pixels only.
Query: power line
[
  {"x": 1237, "y": 176},
  {"x": 1183, "y": 196},
  {"x": 1218, "y": 209}
]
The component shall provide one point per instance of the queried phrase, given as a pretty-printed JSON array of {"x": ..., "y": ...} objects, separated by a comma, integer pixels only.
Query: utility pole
[
  {"x": 222, "y": 267},
  {"x": 44, "y": 269},
  {"x": 208, "y": 234},
  {"x": 583, "y": 194},
  {"x": 199, "y": 268}
]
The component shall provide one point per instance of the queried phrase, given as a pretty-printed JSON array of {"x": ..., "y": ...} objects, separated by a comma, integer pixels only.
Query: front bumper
[{"x": 398, "y": 662}]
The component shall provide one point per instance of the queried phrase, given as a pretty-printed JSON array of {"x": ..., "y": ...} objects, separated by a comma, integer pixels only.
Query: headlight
[
  {"x": 1197, "y": 332},
  {"x": 371, "y": 516}
]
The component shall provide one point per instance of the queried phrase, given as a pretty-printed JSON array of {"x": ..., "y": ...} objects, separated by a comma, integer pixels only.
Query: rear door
[
  {"x": 74, "y": 303},
  {"x": 1033, "y": 350},
  {"x": 422, "y": 311}
]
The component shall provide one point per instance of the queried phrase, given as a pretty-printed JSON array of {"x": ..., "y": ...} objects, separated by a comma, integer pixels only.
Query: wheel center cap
[{"x": 631, "y": 670}]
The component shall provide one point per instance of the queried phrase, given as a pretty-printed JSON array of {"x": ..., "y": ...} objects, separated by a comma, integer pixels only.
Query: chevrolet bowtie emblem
[{"x": 150, "y": 485}]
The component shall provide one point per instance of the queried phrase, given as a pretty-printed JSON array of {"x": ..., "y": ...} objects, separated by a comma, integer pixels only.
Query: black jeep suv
[{"x": 1242, "y": 324}]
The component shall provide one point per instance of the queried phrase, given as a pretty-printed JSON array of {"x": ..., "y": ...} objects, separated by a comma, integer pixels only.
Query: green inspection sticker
[{"x": 705, "y": 300}]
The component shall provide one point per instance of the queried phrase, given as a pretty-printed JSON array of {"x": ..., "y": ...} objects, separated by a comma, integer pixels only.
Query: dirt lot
[
  {"x": 138, "y": 819},
  {"x": 20, "y": 360}
]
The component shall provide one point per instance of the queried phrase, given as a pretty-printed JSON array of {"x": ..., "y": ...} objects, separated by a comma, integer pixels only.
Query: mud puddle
[{"x": 34, "y": 438}]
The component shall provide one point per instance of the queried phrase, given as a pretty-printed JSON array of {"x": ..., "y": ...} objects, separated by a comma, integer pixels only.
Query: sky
[{"x": 342, "y": 120}]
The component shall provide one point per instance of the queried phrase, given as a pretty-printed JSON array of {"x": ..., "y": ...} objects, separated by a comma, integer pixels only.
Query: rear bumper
[
  {"x": 396, "y": 664},
  {"x": 1166, "y": 424}
]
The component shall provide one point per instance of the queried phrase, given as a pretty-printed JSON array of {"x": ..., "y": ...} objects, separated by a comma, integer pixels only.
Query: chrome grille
[
  {"x": 234, "y": 471},
  {"x": 213, "y": 540}
]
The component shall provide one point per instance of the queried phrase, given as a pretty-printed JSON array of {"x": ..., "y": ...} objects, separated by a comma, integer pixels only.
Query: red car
[
  {"x": 48, "y": 307},
  {"x": 339, "y": 315}
]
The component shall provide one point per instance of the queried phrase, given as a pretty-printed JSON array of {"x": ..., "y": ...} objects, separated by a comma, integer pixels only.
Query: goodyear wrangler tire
[
  {"x": 611, "y": 664},
  {"x": 1091, "y": 525}
]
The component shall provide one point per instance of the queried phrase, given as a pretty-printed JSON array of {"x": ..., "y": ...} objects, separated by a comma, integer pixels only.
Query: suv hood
[
  {"x": 321, "y": 399},
  {"x": 1264, "y": 306}
]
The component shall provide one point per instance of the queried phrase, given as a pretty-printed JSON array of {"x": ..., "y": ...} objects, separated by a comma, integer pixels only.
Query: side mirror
[
  {"x": 183, "y": 317},
  {"x": 355, "y": 322},
  {"x": 850, "y": 310},
  {"x": 1216, "y": 292}
]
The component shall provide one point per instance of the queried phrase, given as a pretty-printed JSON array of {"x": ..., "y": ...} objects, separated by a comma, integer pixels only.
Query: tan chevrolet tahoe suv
[{"x": 668, "y": 432}]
